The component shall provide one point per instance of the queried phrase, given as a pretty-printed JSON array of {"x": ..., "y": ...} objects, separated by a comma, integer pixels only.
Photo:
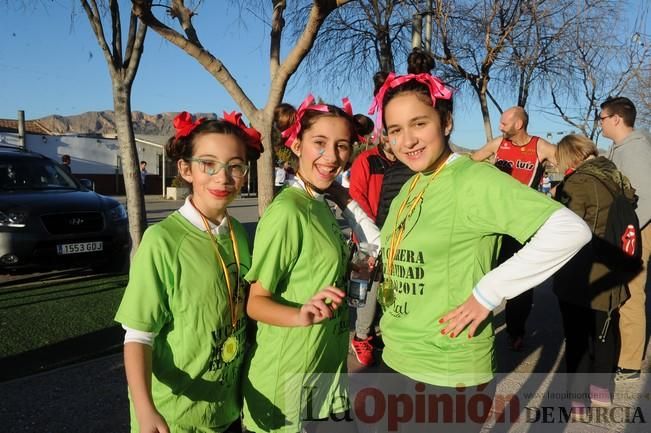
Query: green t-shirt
[
  {"x": 451, "y": 240},
  {"x": 293, "y": 374},
  {"x": 177, "y": 289}
]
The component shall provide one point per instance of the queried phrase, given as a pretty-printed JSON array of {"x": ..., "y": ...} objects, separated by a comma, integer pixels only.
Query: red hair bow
[
  {"x": 235, "y": 118},
  {"x": 294, "y": 129},
  {"x": 184, "y": 125},
  {"x": 437, "y": 90}
]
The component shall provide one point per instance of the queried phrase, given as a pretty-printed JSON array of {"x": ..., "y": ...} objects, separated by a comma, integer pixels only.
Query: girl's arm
[
  {"x": 137, "y": 364},
  {"x": 360, "y": 223},
  {"x": 263, "y": 308},
  {"x": 553, "y": 245}
]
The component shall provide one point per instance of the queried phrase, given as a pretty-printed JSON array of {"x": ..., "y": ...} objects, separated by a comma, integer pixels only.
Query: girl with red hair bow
[
  {"x": 297, "y": 367},
  {"x": 183, "y": 308}
]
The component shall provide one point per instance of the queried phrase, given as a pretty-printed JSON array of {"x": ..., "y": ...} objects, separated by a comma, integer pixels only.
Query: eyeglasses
[
  {"x": 212, "y": 167},
  {"x": 601, "y": 118}
]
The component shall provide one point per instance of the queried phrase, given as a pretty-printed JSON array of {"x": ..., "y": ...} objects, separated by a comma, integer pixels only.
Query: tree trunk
[
  {"x": 485, "y": 114},
  {"x": 130, "y": 163},
  {"x": 386, "y": 54},
  {"x": 265, "y": 163}
]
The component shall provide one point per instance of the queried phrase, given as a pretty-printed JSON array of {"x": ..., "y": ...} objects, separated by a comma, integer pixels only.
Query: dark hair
[
  {"x": 311, "y": 116},
  {"x": 420, "y": 62},
  {"x": 183, "y": 147},
  {"x": 364, "y": 124},
  {"x": 283, "y": 114},
  {"x": 378, "y": 79},
  {"x": 65, "y": 158},
  {"x": 143, "y": 162},
  {"x": 444, "y": 107},
  {"x": 621, "y": 106}
]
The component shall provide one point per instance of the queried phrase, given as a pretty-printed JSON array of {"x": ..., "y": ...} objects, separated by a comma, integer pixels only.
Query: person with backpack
[{"x": 592, "y": 285}]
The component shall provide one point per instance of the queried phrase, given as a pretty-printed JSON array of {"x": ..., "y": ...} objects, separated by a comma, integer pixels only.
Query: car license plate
[{"x": 79, "y": 248}]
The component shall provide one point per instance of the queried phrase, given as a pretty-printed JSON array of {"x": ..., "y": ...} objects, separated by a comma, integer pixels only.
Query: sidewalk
[{"x": 92, "y": 397}]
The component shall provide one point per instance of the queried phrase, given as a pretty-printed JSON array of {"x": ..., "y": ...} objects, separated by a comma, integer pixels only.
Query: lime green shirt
[
  {"x": 451, "y": 240},
  {"x": 177, "y": 289},
  {"x": 295, "y": 374}
]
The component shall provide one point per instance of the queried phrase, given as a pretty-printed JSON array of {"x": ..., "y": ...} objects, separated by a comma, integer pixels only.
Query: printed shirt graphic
[
  {"x": 521, "y": 162},
  {"x": 450, "y": 242},
  {"x": 295, "y": 374},
  {"x": 177, "y": 289}
]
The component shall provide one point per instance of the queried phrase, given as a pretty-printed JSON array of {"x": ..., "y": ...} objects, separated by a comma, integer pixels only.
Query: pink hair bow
[
  {"x": 235, "y": 118},
  {"x": 437, "y": 90},
  {"x": 291, "y": 133},
  {"x": 184, "y": 125}
]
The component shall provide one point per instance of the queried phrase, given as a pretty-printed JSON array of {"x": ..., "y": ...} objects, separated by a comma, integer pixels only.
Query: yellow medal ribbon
[
  {"x": 230, "y": 346},
  {"x": 387, "y": 291}
]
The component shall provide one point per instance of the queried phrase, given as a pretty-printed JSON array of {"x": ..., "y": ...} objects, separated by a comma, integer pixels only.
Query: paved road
[{"x": 91, "y": 396}]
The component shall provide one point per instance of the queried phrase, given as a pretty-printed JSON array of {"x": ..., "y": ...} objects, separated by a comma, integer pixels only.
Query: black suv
[{"x": 48, "y": 219}]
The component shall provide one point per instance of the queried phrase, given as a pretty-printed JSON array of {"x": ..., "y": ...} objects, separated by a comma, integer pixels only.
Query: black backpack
[{"x": 622, "y": 224}]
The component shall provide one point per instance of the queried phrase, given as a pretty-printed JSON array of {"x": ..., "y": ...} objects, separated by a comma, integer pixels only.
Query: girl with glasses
[{"x": 183, "y": 306}]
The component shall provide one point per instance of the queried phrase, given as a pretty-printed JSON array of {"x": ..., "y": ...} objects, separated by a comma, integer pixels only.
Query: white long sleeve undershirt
[
  {"x": 361, "y": 224},
  {"x": 553, "y": 245}
]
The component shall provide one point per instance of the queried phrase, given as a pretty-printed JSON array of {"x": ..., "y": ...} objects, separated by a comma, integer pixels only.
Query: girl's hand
[
  {"x": 152, "y": 422},
  {"x": 320, "y": 307},
  {"x": 470, "y": 313}
]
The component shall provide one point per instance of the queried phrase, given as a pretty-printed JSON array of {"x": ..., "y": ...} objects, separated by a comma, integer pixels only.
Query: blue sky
[{"x": 50, "y": 63}]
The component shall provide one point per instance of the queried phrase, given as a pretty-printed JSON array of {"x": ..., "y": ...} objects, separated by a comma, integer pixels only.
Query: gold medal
[
  {"x": 387, "y": 295},
  {"x": 229, "y": 349},
  {"x": 230, "y": 346}
]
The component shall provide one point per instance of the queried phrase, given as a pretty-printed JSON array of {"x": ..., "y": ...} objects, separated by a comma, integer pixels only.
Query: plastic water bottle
[{"x": 360, "y": 274}]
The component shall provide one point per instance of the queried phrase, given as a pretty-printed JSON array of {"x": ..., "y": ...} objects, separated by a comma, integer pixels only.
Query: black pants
[
  {"x": 583, "y": 327},
  {"x": 517, "y": 309}
]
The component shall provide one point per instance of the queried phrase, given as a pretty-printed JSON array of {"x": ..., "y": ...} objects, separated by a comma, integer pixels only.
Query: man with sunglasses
[{"x": 631, "y": 152}]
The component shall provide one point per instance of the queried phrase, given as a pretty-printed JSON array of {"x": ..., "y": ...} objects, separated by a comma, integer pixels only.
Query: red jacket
[{"x": 366, "y": 176}]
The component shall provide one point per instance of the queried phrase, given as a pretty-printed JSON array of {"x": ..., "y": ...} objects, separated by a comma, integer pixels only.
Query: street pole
[
  {"x": 428, "y": 27},
  {"x": 416, "y": 30}
]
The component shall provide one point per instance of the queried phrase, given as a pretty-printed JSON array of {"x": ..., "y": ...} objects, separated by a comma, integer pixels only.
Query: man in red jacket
[{"x": 366, "y": 176}]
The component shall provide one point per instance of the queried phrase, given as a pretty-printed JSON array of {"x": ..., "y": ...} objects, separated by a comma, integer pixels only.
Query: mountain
[{"x": 103, "y": 123}]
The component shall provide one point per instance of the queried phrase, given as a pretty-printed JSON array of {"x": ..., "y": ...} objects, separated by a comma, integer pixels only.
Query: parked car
[{"x": 50, "y": 220}]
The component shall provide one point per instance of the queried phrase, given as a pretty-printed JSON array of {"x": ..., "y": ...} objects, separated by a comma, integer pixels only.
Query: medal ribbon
[
  {"x": 398, "y": 232},
  {"x": 233, "y": 304}
]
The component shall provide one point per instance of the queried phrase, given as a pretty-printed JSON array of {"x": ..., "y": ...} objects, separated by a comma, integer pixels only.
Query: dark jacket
[
  {"x": 395, "y": 177},
  {"x": 584, "y": 280}
]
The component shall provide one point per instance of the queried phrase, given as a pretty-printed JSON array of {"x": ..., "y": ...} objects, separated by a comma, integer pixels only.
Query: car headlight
[
  {"x": 13, "y": 218},
  {"x": 118, "y": 213}
]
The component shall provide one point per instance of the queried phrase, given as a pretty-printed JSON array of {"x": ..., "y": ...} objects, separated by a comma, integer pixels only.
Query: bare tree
[
  {"x": 597, "y": 67},
  {"x": 123, "y": 62},
  {"x": 280, "y": 71},
  {"x": 359, "y": 40},
  {"x": 536, "y": 50},
  {"x": 468, "y": 40}
]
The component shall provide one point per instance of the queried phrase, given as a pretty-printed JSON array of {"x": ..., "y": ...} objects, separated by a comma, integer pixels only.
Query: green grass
[{"x": 45, "y": 314}]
